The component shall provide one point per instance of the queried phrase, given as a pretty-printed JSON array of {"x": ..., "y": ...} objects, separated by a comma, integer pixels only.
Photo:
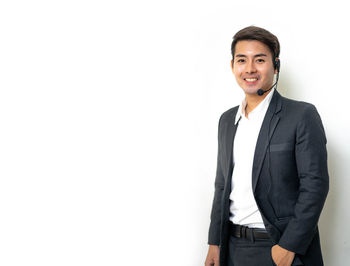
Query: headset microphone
[{"x": 261, "y": 92}]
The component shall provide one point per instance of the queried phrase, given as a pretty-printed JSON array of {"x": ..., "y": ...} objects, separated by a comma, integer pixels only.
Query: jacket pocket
[{"x": 281, "y": 223}]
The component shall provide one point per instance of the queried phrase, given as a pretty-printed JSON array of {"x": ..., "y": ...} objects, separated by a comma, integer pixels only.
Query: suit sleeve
[
  {"x": 311, "y": 161},
  {"x": 215, "y": 217}
]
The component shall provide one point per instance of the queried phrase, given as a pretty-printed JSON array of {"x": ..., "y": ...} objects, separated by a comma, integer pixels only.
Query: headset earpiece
[{"x": 277, "y": 64}]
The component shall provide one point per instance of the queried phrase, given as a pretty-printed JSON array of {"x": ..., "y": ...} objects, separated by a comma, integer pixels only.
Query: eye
[
  {"x": 260, "y": 60},
  {"x": 241, "y": 60}
]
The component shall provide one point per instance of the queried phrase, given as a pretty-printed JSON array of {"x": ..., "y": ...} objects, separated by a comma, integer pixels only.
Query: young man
[{"x": 272, "y": 178}]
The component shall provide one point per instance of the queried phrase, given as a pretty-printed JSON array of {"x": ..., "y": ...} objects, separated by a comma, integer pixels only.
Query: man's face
[{"x": 252, "y": 66}]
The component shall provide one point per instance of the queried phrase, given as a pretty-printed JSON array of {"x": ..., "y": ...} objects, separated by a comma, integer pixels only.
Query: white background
[{"x": 108, "y": 122}]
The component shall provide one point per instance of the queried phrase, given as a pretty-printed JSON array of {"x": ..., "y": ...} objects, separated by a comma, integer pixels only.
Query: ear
[{"x": 232, "y": 65}]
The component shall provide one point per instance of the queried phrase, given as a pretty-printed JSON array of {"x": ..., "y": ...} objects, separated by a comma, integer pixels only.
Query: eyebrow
[{"x": 257, "y": 55}]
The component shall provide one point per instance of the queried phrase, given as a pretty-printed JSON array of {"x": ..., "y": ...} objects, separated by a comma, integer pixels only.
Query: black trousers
[{"x": 250, "y": 252}]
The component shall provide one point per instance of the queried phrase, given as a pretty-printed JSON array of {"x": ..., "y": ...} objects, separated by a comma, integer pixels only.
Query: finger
[{"x": 208, "y": 263}]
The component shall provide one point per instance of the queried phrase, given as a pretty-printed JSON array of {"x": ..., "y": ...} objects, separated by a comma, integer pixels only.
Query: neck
[{"x": 253, "y": 100}]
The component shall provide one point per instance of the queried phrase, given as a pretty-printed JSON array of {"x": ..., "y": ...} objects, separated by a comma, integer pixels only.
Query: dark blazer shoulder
[
  {"x": 302, "y": 114},
  {"x": 297, "y": 109},
  {"x": 298, "y": 105},
  {"x": 229, "y": 115}
]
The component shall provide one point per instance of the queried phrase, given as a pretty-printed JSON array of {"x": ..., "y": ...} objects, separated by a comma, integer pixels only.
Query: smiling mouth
[{"x": 250, "y": 79}]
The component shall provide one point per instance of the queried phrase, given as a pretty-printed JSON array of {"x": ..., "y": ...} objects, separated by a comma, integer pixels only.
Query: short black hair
[{"x": 257, "y": 34}]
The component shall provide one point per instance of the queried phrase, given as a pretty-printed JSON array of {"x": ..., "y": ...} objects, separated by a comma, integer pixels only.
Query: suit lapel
[
  {"x": 230, "y": 132},
  {"x": 230, "y": 135},
  {"x": 267, "y": 128}
]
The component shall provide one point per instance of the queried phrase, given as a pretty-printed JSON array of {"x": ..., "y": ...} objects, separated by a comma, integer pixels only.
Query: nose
[{"x": 250, "y": 67}]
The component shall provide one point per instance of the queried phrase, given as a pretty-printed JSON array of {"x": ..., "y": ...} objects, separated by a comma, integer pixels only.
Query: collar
[{"x": 241, "y": 109}]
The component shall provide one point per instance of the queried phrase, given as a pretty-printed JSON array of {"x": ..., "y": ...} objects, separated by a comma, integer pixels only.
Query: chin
[{"x": 250, "y": 91}]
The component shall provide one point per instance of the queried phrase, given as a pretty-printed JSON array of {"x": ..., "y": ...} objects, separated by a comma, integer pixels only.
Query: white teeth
[{"x": 250, "y": 80}]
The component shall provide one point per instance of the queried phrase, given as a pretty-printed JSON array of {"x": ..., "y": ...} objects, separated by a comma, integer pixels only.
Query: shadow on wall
[
  {"x": 288, "y": 87},
  {"x": 328, "y": 221}
]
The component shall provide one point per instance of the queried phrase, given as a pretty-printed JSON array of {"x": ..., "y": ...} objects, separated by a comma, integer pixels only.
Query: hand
[
  {"x": 282, "y": 256},
  {"x": 213, "y": 256}
]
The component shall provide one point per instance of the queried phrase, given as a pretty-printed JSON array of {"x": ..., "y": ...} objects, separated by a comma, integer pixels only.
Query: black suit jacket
[{"x": 289, "y": 178}]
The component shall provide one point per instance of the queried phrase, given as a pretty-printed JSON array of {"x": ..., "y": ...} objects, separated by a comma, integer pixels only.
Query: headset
[{"x": 277, "y": 66}]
